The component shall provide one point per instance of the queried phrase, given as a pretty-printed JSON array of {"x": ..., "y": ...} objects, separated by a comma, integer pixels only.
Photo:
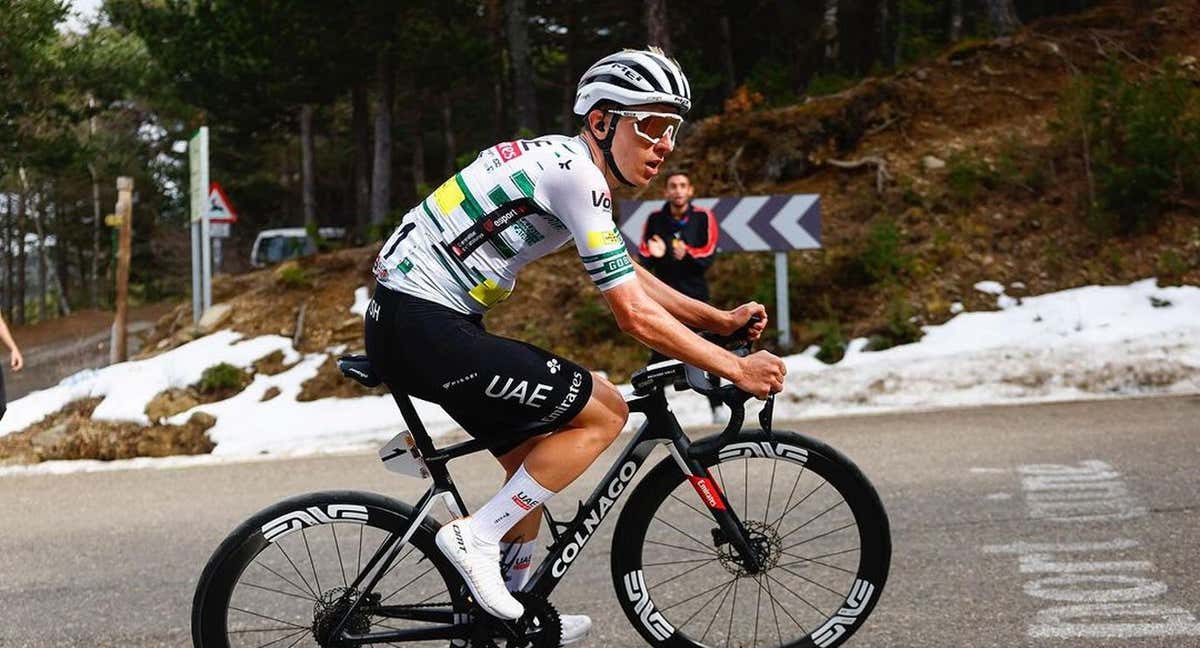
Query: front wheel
[{"x": 814, "y": 520}]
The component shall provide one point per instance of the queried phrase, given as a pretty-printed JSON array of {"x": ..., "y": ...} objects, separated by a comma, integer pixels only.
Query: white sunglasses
[{"x": 653, "y": 126}]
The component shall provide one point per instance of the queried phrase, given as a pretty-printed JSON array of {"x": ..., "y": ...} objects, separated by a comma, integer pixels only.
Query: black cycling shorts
[{"x": 494, "y": 387}]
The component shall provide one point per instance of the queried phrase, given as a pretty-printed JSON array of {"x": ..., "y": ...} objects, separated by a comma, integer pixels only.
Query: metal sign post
[
  {"x": 777, "y": 223},
  {"x": 201, "y": 243}
]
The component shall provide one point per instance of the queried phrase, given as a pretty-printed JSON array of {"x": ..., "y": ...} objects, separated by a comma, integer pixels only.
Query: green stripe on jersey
[
  {"x": 600, "y": 257},
  {"x": 521, "y": 179},
  {"x": 470, "y": 204},
  {"x": 610, "y": 278},
  {"x": 442, "y": 260},
  {"x": 429, "y": 213}
]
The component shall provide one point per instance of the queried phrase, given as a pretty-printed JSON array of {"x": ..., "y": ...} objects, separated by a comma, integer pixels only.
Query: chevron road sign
[{"x": 777, "y": 223}]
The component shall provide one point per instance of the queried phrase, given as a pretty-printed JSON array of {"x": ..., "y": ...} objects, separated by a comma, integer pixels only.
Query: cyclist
[{"x": 457, "y": 253}]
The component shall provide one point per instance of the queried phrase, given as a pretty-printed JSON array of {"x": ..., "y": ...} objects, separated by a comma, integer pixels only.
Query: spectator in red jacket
[{"x": 679, "y": 243}]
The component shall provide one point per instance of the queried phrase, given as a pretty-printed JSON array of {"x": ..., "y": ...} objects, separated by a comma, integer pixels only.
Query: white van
[{"x": 275, "y": 245}]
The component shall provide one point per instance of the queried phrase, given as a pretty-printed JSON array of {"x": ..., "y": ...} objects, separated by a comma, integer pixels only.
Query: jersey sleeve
[{"x": 578, "y": 195}]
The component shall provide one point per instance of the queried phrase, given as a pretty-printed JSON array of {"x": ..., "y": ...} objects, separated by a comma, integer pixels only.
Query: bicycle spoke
[
  {"x": 707, "y": 553},
  {"x": 789, "y": 500},
  {"x": 812, "y": 519},
  {"x": 722, "y": 478},
  {"x": 298, "y": 572},
  {"x": 793, "y": 593},
  {"x": 719, "y": 605},
  {"x": 677, "y": 499},
  {"x": 396, "y": 563},
  {"x": 701, "y": 608},
  {"x": 766, "y": 584},
  {"x": 836, "y": 593},
  {"x": 268, "y": 618},
  {"x": 271, "y": 589},
  {"x": 682, "y": 573},
  {"x": 757, "y": 607},
  {"x": 797, "y": 504},
  {"x": 298, "y": 640},
  {"x": 689, "y": 536},
  {"x": 415, "y": 579},
  {"x": 804, "y": 560},
  {"x": 817, "y": 537},
  {"x": 678, "y": 562},
  {"x": 304, "y": 534},
  {"x": 746, "y": 494},
  {"x": 783, "y": 607},
  {"x": 770, "y": 490},
  {"x": 732, "y": 611},
  {"x": 250, "y": 630},
  {"x": 281, "y": 577},
  {"x": 338, "y": 548},
  {"x": 695, "y": 596},
  {"x": 358, "y": 560},
  {"x": 285, "y": 638}
]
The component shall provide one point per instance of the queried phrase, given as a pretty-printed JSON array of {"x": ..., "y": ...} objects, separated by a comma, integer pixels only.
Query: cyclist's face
[{"x": 640, "y": 160}]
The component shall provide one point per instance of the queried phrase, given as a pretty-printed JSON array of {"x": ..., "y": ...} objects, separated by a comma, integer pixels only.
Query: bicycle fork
[{"x": 731, "y": 528}]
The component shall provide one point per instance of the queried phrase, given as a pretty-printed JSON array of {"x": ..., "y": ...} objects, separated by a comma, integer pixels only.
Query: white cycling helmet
[{"x": 634, "y": 77}]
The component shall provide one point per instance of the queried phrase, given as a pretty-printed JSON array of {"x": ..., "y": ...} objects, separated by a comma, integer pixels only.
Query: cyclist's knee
[{"x": 607, "y": 411}]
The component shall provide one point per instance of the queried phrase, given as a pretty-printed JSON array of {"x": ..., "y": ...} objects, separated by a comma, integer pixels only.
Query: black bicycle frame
[{"x": 661, "y": 428}]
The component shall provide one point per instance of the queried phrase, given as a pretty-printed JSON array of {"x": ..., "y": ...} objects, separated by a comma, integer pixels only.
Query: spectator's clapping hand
[{"x": 657, "y": 247}]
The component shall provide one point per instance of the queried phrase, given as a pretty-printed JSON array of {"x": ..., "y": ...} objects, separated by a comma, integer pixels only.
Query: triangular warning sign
[{"x": 220, "y": 210}]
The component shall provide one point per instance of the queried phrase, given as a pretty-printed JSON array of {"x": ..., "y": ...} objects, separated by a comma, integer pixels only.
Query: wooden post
[{"x": 120, "y": 352}]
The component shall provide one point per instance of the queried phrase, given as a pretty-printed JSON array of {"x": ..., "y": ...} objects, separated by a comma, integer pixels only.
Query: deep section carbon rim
[
  {"x": 814, "y": 522},
  {"x": 289, "y": 579}
]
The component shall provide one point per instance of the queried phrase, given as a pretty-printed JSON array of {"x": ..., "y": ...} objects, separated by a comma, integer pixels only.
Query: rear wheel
[
  {"x": 815, "y": 522},
  {"x": 283, "y": 578}
]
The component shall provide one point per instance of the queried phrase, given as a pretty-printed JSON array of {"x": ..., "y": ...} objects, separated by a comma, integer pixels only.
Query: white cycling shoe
[
  {"x": 479, "y": 565},
  {"x": 574, "y": 628}
]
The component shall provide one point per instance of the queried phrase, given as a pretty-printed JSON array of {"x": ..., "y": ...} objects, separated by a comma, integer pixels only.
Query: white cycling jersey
[{"x": 518, "y": 201}]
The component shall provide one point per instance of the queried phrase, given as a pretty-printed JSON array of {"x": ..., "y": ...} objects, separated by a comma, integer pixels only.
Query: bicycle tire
[
  {"x": 658, "y": 615},
  {"x": 278, "y": 524}
]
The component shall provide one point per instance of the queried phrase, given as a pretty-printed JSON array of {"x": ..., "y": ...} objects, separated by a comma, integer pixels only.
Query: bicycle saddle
[{"x": 358, "y": 367}]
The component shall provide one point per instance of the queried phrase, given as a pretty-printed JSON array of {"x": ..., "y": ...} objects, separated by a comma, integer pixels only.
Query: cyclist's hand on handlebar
[
  {"x": 742, "y": 314},
  {"x": 762, "y": 374}
]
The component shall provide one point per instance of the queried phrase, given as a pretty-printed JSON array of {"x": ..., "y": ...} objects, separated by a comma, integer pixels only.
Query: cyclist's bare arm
[
  {"x": 698, "y": 314},
  {"x": 641, "y": 316}
]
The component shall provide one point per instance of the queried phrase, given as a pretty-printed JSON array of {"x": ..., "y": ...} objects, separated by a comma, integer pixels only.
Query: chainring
[{"x": 540, "y": 627}]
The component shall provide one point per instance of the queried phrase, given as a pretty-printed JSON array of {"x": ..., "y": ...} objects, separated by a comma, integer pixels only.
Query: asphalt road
[{"x": 1047, "y": 525}]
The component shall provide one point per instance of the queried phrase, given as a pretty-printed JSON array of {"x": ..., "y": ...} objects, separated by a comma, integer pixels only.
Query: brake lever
[{"x": 767, "y": 413}]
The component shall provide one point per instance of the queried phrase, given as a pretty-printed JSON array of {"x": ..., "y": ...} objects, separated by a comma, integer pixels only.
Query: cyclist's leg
[{"x": 558, "y": 459}]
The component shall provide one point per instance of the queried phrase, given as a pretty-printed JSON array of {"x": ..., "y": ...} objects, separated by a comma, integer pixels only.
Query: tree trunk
[
  {"x": 729, "y": 83},
  {"x": 956, "y": 20},
  {"x": 857, "y": 35},
  {"x": 522, "y": 67},
  {"x": 448, "y": 131},
  {"x": 19, "y": 293},
  {"x": 829, "y": 33},
  {"x": 494, "y": 16},
  {"x": 569, "y": 79},
  {"x": 1002, "y": 15},
  {"x": 805, "y": 21},
  {"x": 657, "y": 26},
  {"x": 307, "y": 180},
  {"x": 8, "y": 256},
  {"x": 362, "y": 160},
  {"x": 43, "y": 291},
  {"x": 886, "y": 31},
  {"x": 94, "y": 276},
  {"x": 418, "y": 155},
  {"x": 381, "y": 170}
]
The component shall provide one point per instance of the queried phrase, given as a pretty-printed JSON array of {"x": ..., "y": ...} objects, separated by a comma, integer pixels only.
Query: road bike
[{"x": 748, "y": 537}]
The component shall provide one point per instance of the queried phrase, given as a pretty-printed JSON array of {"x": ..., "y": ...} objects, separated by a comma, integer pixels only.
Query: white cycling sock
[
  {"x": 516, "y": 560},
  {"x": 515, "y": 500}
]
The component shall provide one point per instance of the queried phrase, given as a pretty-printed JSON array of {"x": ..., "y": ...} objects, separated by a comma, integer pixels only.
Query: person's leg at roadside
[{"x": 545, "y": 467}]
